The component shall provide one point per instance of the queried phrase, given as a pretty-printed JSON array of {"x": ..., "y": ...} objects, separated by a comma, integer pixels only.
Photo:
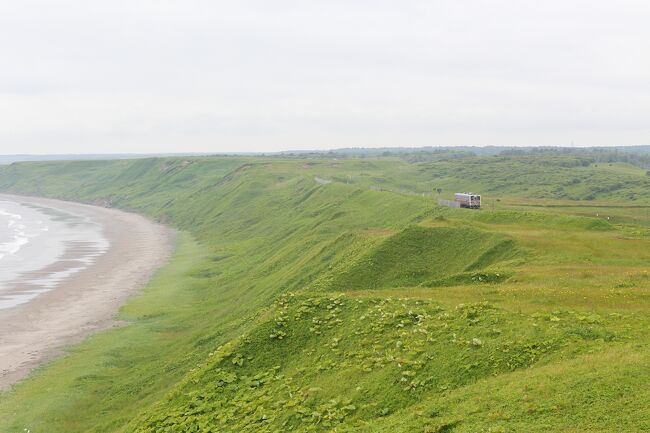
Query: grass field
[{"x": 318, "y": 295}]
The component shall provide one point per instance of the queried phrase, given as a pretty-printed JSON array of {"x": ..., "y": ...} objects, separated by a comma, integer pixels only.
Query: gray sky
[{"x": 191, "y": 75}]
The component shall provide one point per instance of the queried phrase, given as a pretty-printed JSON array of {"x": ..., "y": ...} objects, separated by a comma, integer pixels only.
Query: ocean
[{"x": 40, "y": 247}]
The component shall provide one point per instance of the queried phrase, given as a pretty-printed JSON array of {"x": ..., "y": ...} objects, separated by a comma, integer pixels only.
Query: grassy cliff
[{"x": 334, "y": 295}]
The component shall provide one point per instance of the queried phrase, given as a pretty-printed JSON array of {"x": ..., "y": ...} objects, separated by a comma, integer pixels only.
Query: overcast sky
[{"x": 88, "y": 76}]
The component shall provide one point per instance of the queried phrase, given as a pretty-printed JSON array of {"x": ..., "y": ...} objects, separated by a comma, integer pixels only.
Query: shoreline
[{"x": 38, "y": 331}]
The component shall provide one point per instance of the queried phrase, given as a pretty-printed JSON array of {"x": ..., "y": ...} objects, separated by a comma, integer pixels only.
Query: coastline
[{"x": 34, "y": 333}]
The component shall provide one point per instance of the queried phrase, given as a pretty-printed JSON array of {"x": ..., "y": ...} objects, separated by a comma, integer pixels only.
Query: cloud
[{"x": 198, "y": 75}]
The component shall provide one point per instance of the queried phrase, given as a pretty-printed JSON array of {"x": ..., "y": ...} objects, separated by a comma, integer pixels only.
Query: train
[{"x": 468, "y": 200}]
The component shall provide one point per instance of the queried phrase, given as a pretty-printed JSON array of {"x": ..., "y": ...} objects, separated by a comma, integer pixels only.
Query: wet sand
[{"x": 34, "y": 333}]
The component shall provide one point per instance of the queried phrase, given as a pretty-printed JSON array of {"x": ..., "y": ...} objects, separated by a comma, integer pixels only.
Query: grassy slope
[
  {"x": 406, "y": 357},
  {"x": 423, "y": 255}
]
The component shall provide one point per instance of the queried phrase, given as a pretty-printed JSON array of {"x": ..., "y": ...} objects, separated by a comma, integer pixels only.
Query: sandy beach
[{"x": 35, "y": 332}]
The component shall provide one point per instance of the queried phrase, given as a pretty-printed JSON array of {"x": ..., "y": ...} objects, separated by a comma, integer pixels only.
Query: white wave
[
  {"x": 20, "y": 234},
  {"x": 11, "y": 215},
  {"x": 12, "y": 247},
  {"x": 53, "y": 279}
]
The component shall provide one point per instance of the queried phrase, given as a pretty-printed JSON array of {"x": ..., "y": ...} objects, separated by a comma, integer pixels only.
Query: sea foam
[
  {"x": 40, "y": 247},
  {"x": 17, "y": 234}
]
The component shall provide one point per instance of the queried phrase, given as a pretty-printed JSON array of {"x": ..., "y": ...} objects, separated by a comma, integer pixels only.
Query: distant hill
[
  {"x": 411, "y": 153},
  {"x": 633, "y": 149},
  {"x": 634, "y": 155}
]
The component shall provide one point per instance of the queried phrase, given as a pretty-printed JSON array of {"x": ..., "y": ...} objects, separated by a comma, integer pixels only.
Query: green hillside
[
  {"x": 422, "y": 255},
  {"x": 334, "y": 295}
]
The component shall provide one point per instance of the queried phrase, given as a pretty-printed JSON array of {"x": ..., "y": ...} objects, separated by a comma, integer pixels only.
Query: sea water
[{"x": 42, "y": 246}]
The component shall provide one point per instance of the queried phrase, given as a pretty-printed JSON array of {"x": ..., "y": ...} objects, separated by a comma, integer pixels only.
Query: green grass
[
  {"x": 373, "y": 358},
  {"x": 419, "y": 255},
  {"x": 360, "y": 305}
]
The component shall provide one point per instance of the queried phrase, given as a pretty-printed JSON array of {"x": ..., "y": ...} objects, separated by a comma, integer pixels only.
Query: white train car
[{"x": 468, "y": 200}]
